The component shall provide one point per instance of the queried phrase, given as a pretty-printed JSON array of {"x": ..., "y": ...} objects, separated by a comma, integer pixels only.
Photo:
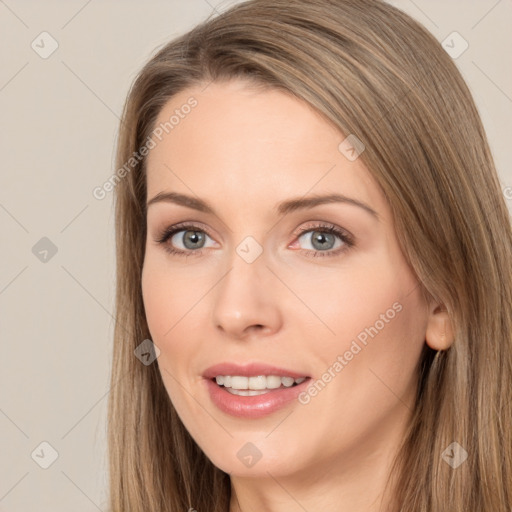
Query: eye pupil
[
  {"x": 191, "y": 238},
  {"x": 322, "y": 240}
]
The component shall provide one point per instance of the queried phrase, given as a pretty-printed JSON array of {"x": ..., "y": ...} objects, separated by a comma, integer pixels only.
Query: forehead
[{"x": 234, "y": 140}]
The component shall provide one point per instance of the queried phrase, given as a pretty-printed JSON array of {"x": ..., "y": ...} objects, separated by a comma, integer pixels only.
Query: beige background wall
[{"x": 59, "y": 118}]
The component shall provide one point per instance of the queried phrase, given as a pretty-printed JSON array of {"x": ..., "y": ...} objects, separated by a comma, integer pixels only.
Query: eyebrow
[{"x": 283, "y": 208}]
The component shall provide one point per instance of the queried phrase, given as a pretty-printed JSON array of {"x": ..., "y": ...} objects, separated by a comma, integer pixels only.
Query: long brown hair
[{"x": 374, "y": 72}]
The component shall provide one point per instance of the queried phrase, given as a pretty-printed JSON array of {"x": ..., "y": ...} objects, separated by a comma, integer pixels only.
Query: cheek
[
  {"x": 372, "y": 328},
  {"x": 168, "y": 305},
  {"x": 175, "y": 302},
  {"x": 169, "y": 296},
  {"x": 380, "y": 341},
  {"x": 367, "y": 370},
  {"x": 344, "y": 303}
]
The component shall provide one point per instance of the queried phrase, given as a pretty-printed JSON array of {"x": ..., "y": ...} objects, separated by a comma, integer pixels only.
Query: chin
[{"x": 247, "y": 459}]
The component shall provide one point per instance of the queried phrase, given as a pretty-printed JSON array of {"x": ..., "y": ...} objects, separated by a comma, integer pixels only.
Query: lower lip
[{"x": 253, "y": 406}]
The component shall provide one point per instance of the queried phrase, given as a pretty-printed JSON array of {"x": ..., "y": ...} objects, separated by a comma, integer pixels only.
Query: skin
[{"x": 243, "y": 151}]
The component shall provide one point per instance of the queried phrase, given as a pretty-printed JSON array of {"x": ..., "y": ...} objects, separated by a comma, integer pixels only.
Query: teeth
[
  {"x": 255, "y": 385},
  {"x": 287, "y": 381},
  {"x": 273, "y": 382},
  {"x": 246, "y": 392}
]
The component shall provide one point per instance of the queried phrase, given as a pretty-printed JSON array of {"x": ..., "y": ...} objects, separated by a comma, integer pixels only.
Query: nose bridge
[{"x": 245, "y": 297}]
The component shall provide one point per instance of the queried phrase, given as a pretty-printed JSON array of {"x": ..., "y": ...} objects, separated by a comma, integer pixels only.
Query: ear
[{"x": 439, "y": 333}]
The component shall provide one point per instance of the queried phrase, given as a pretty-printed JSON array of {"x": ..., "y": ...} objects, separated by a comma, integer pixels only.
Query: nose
[{"x": 246, "y": 301}]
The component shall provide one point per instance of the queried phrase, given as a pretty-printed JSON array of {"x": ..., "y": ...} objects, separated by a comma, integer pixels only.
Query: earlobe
[{"x": 439, "y": 334}]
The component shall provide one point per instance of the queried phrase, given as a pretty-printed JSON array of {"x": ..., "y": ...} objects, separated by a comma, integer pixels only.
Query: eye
[
  {"x": 185, "y": 240},
  {"x": 324, "y": 240}
]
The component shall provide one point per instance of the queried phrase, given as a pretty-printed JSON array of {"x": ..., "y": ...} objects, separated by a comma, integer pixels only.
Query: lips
[
  {"x": 250, "y": 370},
  {"x": 259, "y": 403}
]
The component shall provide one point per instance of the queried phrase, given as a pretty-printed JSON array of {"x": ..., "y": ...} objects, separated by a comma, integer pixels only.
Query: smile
[
  {"x": 251, "y": 403},
  {"x": 258, "y": 385}
]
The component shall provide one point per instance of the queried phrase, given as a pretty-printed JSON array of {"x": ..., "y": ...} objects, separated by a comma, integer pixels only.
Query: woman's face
[{"x": 272, "y": 281}]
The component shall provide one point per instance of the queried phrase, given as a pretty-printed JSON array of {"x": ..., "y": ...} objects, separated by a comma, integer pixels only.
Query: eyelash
[{"x": 347, "y": 239}]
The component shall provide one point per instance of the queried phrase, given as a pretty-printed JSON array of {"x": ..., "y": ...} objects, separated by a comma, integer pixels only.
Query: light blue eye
[
  {"x": 189, "y": 239},
  {"x": 320, "y": 240}
]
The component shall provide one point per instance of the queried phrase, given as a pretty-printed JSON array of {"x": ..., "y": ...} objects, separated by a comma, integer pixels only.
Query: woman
[{"x": 314, "y": 273}]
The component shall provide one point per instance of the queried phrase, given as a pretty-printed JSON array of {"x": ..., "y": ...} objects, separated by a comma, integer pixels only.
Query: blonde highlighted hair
[{"x": 372, "y": 71}]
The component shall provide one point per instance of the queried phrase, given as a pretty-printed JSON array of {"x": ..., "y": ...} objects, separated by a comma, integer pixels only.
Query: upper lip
[{"x": 249, "y": 370}]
